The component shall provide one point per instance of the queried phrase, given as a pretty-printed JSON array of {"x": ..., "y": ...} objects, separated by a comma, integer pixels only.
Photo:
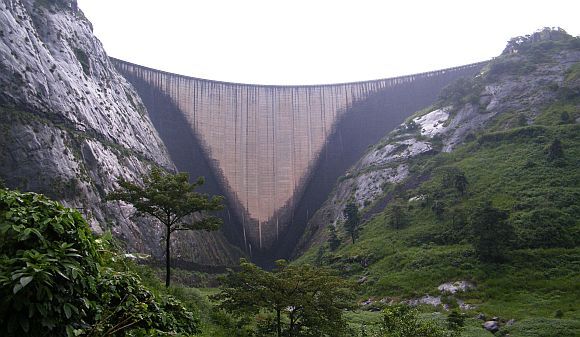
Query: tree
[
  {"x": 306, "y": 301},
  {"x": 333, "y": 240},
  {"x": 492, "y": 234},
  {"x": 352, "y": 220},
  {"x": 555, "y": 151},
  {"x": 455, "y": 322},
  {"x": 438, "y": 208},
  {"x": 172, "y": 200},
  {"x": 402, "y": 321},
  {"x": 455, "y": 178},
  {"x": 398, "y": 216}
]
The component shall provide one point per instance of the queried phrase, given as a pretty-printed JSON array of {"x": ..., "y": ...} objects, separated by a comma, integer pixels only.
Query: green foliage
[
  {"x": 397, "y": 214},
  {"x": 554, "y": 151},
  {"x": 573, "y": 74},
  {"x": 352, "y": 220},
  {"x": 464, "y": 90},
  {"x": 131, "y": 305},
  {"x": 456, "y": 321},
  {"x": 299, "y": 300},
  {"x": 56, "y": 279},
  {"x": 48, "y": 265},
  {"x": 510, "y": 66},
  {"x": 492, "y": 234},
  {"x": 545, "y": 228},
  {"x": 172, "y": 200},
  {"x": 543, "y": 327},
  {"x": 402, "y": 321},
  {"x": 333, "y": 240},
  {"x": 454, "y": 177},
  {"x": 543, "y": 39}
]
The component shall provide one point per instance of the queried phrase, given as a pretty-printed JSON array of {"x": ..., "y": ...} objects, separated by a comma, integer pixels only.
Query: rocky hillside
[
  {"x": 506, "y": 141},
  {"x": 70, "y": 124},
  {"x": 532, "y": 82}
]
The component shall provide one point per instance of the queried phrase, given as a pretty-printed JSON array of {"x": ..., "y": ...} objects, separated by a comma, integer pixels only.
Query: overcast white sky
[{"x": 316, "y": 41}]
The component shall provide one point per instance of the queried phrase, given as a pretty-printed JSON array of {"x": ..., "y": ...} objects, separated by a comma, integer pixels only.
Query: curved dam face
[{"x": 276, "y": 151}]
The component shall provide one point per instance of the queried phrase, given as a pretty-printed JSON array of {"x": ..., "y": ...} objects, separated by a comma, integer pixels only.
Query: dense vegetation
[
  {"x": 57, "y": 279},
  {"x": 293, "y": 300}
]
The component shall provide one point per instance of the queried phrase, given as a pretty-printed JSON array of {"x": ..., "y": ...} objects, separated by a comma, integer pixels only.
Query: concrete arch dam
[{"x": 276, "y": 151}]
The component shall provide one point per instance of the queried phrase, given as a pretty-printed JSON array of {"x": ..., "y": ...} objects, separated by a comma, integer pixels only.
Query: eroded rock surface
[{"x": 70, "y": 124}]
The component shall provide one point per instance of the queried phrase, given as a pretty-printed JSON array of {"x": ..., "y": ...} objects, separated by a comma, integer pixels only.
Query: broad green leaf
[
  {"x": 67, "y": 310},
  {"x": 25, "y": 280},
  {"x": 17, "y": 288}
]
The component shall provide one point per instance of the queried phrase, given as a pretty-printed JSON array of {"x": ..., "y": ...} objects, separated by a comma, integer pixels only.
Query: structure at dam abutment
[{"x": 276, "y": 151}]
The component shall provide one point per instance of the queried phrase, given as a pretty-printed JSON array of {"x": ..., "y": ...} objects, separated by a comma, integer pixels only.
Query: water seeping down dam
[{"x": 275, "y": 152}]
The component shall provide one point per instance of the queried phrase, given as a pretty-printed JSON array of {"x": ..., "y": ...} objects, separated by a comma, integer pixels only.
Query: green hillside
[{"x": 523, "y": 163}]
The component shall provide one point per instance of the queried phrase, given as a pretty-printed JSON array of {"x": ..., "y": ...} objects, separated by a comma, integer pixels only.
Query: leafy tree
[
  {"x": 565, "y": 118},
  {"x": 492, "y": 234},
  {"x": 402, "y": 321},
  {"x": 320, "y": 255},
  {"x": 306, "y": 301},
  {"x": 333, "y": 240},
  {"x": 352, "y": 220},
  {"x": 398, "y": 215},
  {"x": 455, "y": 178},
  {"x": 438, "y": 208},
  {"x": 455, "y": 322},
  {"x": 172, "y": 200},
  {"x": 555, "y": 151}
]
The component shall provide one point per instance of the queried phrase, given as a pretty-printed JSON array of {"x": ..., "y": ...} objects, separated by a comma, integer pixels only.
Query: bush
[
  {"x": 545, "y": 228},
  {"x": 57, "y": 280},
  {"x": 402, "y": 321},
  {"x": 48, "y": 266}
]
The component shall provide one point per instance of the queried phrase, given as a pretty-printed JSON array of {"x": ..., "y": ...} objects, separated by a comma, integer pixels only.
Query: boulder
[{"x": 491, "y": 326}]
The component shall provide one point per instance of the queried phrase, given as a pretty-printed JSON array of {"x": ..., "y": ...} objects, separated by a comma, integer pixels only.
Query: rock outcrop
[{"x": 70, "y": 124}]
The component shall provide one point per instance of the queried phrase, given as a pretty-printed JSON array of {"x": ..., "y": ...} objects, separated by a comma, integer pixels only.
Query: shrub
[
  {"x": 56, "y": 280},
  {"x": 48, "y": 266},
  {"x": 402, "y": 321}
]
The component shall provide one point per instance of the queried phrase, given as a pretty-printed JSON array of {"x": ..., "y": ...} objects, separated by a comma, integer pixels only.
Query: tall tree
[
  {"x": 333, "y": 240},
  {"x": 305, "y": 300},
  {"x": 398, "y": 215},
  {"x": 172, "y": 200},
  {"x": 492, "y": 233},
  {"x": 555, "y": 150},
  {"x": 352, "y": 220},
  {"x": 454, "y": 177}
]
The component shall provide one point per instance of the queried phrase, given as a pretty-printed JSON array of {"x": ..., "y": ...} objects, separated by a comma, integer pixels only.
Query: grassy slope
[{"x": 533, "y": 282}]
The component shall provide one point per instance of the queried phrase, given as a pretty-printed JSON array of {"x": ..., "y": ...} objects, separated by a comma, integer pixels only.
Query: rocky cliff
[
  {"x": 516, "y": 89},
  {"x": 70, "y": 124}
]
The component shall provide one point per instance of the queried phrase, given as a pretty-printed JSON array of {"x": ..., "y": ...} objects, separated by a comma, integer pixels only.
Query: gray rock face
[{"x": 70, "y": 124}]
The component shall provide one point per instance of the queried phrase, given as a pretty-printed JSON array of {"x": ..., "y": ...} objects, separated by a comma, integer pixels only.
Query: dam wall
[{"x": 276, "y": 151}]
